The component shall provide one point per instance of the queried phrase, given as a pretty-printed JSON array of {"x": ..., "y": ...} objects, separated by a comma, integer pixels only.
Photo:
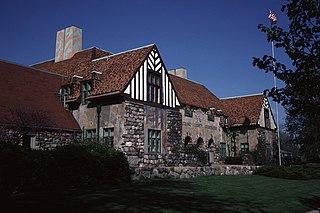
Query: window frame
[
  {"x": 244, "y": 147},
  {"x": 107, "y": 138},
  {"x": 188, "y": 113},
  {"x": 267, "y": 122},
  {"x": 154, "y": 88},
  {"x": 86, "y": 87},
  {"x": 93, "y": 137},
  {"x": 223, "y": 150},
  {"x": 210, "y": 117},
  {"x": 157, "y": 144},
  {"x": 66, "y": 91}
]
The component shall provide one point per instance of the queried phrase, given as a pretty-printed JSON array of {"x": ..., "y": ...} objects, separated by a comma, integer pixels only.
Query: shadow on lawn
[
  {"x": 146, "y": 196},
  {"x": 313, "y": 202}
]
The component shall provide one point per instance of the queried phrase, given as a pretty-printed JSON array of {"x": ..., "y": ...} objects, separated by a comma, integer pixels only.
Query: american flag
[{"x": 272, "y": 17}]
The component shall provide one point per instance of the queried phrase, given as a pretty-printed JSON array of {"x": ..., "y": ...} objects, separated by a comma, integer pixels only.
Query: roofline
[
  {"x": 75, "y": 53},
  {"x": 109, "y": 56},
  {"x": 188, "y": 80},
  {"x": 242, "y": 96},
  {"x": 104, "y": 94},
  {"x": 249, "y": 124},
  {"x": 32, "y": 68}
]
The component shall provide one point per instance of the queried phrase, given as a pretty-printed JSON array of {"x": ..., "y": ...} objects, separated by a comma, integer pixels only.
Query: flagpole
[{"x": 277, "y": 110}]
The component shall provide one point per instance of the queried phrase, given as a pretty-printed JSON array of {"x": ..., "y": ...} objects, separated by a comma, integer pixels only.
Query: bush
[
  {"x": 67, "y": 166},
  {"x": 296, "y": 172},
  {"x": 201, "y": 155},
  {"x": 233, "y": 160}
]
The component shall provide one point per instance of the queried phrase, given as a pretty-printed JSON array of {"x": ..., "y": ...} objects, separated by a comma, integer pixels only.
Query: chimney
[
  {"x": 68, "y": 42},
  {"x": 180, "y": 72}
]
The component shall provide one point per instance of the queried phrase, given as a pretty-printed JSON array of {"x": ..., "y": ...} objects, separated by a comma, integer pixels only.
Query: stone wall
[
  {"x": 190, "y": 172},
  {"x": 43, "y": 139},
  {"x": 133, "y": 135},
  {"x": 52, "y": 139}
]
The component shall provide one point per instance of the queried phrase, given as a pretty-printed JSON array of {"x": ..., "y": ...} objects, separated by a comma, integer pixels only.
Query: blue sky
[{"x": 214, "y": 40}]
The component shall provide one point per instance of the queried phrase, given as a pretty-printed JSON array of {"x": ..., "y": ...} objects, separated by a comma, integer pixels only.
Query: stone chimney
[
  {"x": 68, "y": 42},
  {"x": 180, "y": 72}
]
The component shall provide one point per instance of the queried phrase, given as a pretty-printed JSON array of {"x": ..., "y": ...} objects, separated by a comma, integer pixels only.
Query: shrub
[
  {"x": 67, "y": 166},
  {"x": 296, "y": 172},
  {"x": 233, "y": 160},
  {"x": 201, "y": 155}
]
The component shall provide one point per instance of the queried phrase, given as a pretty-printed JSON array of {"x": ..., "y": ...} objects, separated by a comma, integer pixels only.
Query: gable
[
  {"x": 266, "y": 109},
  {"x": 138, "y": 86}
]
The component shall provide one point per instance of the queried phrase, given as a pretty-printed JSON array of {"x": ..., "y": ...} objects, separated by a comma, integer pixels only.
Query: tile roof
[
  {"x": 243, "y": 110},
  {"x": 194, "y": 94},
  {"x": 117, "y": 69},
  {"x": 30, "y": 89}
]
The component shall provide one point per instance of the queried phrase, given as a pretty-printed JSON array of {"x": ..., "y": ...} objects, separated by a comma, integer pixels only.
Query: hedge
[
  {"x": 296, "y": 172},
  {"x": 66, "y": 166}
]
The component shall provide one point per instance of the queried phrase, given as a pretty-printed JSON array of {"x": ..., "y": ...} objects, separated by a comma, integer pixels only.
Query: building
[
  {"x": 130, "y": 101},
  {"x": 31, "y": 111},
  {"x": 252, "y": 126}
]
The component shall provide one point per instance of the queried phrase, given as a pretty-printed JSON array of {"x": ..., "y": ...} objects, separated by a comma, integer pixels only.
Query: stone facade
[
  {"x": 199, "y": 127},
  {"x": 257, "y": 138}
]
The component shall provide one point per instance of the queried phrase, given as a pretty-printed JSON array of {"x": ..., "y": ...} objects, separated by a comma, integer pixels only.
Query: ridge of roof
[
  {"x": 109, "y": 56},
  {"x": 89, "y": 48},
  {"x": 188, "y": 80},
  {"x": 32, "y": 68},
  {"x": 242, "y": 96}
]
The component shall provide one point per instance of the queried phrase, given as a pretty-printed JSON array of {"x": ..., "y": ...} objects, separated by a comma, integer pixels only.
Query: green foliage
[
  {"x": 200, "y": 154},
  {"x": 301, "y": 94},
  {"x": 67, "y": 166},
  {"x": 233, "y": 160},
  {"x": 296, "y": 172}
]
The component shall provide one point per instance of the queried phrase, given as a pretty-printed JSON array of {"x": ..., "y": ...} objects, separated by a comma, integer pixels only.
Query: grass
[{"x": 205, "y": 194}]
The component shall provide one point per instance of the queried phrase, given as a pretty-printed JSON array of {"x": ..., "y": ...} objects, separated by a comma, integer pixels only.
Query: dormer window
[
  {"x": 188, "y": 112},
  {"x": 210, "y": 117},
  {"x": 85, "y": 89},
  {"x": 65, "y": 92},
  {"x": 154, "y": 87}
]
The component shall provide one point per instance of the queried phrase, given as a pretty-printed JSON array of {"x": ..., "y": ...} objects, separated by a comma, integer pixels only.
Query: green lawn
[{"x": 205, "y": 194}]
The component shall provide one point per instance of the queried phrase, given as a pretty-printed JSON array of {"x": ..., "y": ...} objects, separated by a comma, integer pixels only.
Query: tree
[{"x": 301, "y": 94}]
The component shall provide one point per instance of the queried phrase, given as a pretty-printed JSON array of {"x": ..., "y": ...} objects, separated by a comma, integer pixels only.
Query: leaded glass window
[{"x": 154, "y": 141}]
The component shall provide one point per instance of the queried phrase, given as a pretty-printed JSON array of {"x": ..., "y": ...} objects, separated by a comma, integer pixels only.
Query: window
[
  {"x": 199, "y": 142},
  {"x": 223, "y": 151},
  {"x": 187, "y": 140},
  {"x": 210, "y": 142},
  {"x": 266, "y": 118},
  {"x": 85, "y": 88},
  {"x": 154, "y": 87},
  {"x": 188, "y": 112},
  {"x": 244, "y": 147},
  {"x": 108, "y": 136},
  {"x": 226, "y": 120},
  {"x": 65, "y": 92},
  {"x": 91, "y": 134},
  {"x": 154, "y": 141},
  {"x": 210, "y": 117}
]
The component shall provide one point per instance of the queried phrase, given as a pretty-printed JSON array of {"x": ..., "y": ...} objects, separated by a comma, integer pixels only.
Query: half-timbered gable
[{"x": 151, "y": 82}]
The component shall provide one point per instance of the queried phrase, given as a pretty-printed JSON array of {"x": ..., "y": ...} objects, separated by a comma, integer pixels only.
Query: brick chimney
[
  {"x": 68, "y": 42},
  {"x": 180, "y": 72}
]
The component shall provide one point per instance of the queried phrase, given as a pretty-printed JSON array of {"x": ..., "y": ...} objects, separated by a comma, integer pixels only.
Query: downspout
[{"x": 98, "y": 122}]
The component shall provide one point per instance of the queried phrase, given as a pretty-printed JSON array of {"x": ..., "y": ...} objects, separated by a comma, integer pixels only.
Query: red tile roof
[
  {"x": 30, "y": 89},
  {"x": 117, "y": 70},
  {"x": 194, "y": 94},
  {"x": 243, "y": 110}
]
